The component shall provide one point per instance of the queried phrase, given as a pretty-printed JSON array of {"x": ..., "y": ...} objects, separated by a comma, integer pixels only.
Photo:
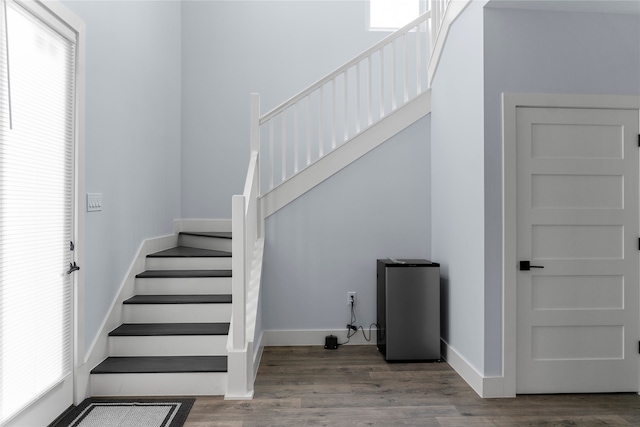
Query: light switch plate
[{"x": 94, "y": 202}]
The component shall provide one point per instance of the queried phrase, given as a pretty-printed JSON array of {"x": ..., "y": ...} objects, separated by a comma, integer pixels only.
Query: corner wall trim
[
  {"x": 454, "y": 9},
  {"x": 485, "y": 386}
]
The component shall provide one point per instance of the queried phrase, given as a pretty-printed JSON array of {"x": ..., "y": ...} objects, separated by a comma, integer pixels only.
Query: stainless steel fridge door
[{"x": 412, "y": 313}]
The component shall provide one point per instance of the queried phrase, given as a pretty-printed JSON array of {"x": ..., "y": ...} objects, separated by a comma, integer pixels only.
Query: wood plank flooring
[{"x": 354, "y": 386}]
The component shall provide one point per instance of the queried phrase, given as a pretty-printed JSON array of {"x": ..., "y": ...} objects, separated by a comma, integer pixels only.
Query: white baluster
[
  {"x": 321, "y": 123},
  {"x": 308, "y": 129},
  {"x": 284, "y": 146},
  {"x": 271, "y": 162},
  {"x": 333, "y": 113},
  {"x": 418, "y": 62},
  {"x": 393, "y": 75},
  {"x": 357, "y": 99},
  {"x": 381, "y": 82},
  {"x": 346, "y": 106},
  {"x": 406, "y": 67},
  {"x": 369, "y": 93},
  {"x": 296, "y": 140}
]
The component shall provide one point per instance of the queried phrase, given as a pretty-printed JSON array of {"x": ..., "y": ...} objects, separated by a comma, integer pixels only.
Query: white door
[
  {"x": 37, "y": 139},
  {"x": 577, "y": 226}
]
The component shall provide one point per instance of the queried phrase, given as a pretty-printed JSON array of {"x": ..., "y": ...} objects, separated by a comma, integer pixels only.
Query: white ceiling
[{"x": 599, "y": 6}]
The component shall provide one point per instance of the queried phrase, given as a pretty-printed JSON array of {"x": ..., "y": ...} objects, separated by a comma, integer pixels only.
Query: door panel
[
  {"x": 577, "y": 216},
  {"x": 37, "y": 140}
]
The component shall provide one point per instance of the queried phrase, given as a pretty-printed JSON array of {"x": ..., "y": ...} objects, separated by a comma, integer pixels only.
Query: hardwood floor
[{"x": 354, "y": 386}]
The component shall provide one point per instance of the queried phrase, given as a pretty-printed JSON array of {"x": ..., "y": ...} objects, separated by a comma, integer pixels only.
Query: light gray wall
[
  {"x": 233, "y": 48},
  {"x": 132, "y": 137},
  {"x": 457, "y": 168},
  {"x": 543, "y": 52},
  {"x": 326, "y": 242}
]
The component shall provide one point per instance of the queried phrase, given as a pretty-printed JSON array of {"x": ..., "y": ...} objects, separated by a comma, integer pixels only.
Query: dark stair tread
[
  {"x": 219, "y": 234},
  {"x": 185, "y": 252},
  {"x": 160, "y": 274},
  {"x": 179, "y": 299},
  {"x": 161, "y": 364},
  {"x": 169, "y": 329}
]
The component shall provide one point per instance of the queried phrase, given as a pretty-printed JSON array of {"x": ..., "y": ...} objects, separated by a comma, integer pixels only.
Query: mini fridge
[{"x": 408, "y": 308}]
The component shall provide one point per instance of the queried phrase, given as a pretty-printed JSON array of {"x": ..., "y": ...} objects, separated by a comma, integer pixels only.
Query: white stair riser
[
  {"x": 195, "y": 263},
  {"x": 175, "y": 384},
  {"x": 183, "y": 286},
  {"x": 183, "y": 345},
  {"x": 202, "y": 242},
  {"x": 176, "y": 313}
]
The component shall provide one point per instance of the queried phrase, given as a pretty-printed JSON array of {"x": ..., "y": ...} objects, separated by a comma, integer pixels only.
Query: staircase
[
  {"x": 180, "y": 335},
  {"x": 174, "y": 337}
]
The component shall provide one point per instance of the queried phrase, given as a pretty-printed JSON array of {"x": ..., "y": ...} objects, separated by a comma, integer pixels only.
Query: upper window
[{"x": 389, "y": 15}]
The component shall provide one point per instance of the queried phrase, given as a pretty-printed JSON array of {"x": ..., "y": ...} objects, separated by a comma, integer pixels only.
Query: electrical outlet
[{"x": 352, "y": 296}]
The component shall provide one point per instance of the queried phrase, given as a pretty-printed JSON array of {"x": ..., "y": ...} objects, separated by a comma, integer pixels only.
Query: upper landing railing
[{"x": 339, "y": 106}]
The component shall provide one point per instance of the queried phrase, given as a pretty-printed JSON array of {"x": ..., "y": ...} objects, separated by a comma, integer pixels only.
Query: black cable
[
  {"x": 351, "y": 332},
  {"x": 364, "y": 334}
]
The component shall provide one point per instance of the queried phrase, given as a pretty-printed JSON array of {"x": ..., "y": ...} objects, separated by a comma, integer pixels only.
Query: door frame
[
  {"x": 510, "y": 103},
  {"x": 54, "y": 13}
]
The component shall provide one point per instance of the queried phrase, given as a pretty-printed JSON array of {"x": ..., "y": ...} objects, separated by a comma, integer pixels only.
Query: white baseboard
[
  {"x": 486, "y": 387},
  {"x": 297, "y": 337},
  {"x": 201, "y": 225}
]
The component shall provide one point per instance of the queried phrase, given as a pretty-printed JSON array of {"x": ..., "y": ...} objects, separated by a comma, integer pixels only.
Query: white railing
[{"x": 341, "y": 105}]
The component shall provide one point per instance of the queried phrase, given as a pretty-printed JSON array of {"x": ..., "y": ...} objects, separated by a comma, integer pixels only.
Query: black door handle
[
  {"x": 526, "y": 266},
  {"x": 73, "y": 267}
]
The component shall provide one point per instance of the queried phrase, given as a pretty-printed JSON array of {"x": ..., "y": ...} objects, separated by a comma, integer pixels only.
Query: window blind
[{"x": 36, "y": 196}]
